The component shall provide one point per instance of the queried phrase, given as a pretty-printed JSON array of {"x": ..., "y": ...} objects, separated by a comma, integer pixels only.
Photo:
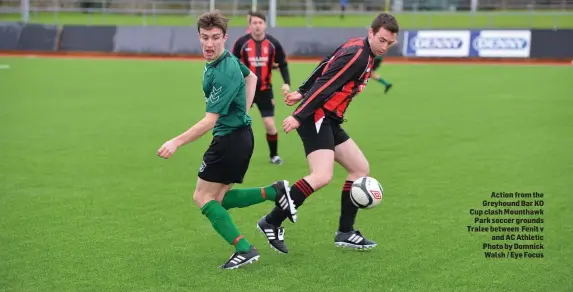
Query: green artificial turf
[{"x": 86, "y": 205}]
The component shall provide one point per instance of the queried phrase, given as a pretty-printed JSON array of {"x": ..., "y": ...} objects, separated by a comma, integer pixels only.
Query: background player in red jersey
[
  {"x": 324, "y": 97},
  {"x": 260, "y": 52}
]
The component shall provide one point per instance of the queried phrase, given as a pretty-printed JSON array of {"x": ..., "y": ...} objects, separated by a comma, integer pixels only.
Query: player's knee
[
  {"x": 319, "y": 179},
  {"x": 200, "y": 198},
  {"x": 271, "y": 129},
  {"x": 362, "y": 169},
  {"x": 270, "y": 125}
]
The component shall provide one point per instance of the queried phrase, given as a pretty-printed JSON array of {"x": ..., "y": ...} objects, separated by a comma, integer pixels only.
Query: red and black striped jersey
[
  {"x": 260, "y": 57},
  {"x": 336, "y": 80}
]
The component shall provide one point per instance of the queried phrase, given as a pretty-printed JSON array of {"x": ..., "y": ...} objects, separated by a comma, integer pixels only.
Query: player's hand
[
  {"x": 167, "y": 149},
  {"x": 285, "y": 89},
  {"x": 290, "y": 124},
  {"x": 293, "y": 98}
]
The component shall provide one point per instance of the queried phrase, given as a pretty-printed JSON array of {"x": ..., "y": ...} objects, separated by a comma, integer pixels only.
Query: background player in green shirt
[
  {"x": 377, "y": 61},
  {"x": 229, "y": 89}
]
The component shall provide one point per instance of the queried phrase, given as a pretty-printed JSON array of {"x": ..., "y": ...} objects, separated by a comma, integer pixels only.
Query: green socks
[
  {"x": 241, "y": 198},
  {"x": 381, "y": 80},
  {"x": 223, "y": 224}
]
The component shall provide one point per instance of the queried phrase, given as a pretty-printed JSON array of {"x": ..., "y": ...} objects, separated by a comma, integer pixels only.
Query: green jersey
[{"x": 224, "y": 88}]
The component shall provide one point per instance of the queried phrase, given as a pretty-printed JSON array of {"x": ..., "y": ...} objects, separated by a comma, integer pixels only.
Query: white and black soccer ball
[{"x": 366, "y": 192}]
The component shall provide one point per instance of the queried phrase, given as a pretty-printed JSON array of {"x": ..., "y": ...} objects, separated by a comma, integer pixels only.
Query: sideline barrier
[
  {"x": 38, "y": 37},
  {"x": 297, "y": 42},
  {"x": 9, "y": 36},
  {"x": 468, "y": 43}
]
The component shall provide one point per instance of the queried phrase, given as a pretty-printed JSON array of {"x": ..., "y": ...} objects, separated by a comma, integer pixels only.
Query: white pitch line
[{"x": 4, "y": 66}]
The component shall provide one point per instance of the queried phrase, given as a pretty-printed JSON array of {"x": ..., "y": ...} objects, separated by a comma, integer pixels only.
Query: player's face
[
  {"x": 381, "y": 41},
  {"x": 212, "y": 42},
  {"x": 257, "y": 26}
]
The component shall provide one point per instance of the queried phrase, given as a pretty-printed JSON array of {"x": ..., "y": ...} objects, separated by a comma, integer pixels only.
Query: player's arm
[
  {"x": 309, "y": 82},
  {"x": 250, "y": 88},
  {"x": 198, "y": 130},
  {"x": 345, "y": 66},
  {"x": 218, "y": 103},
  {"x": 281, "y": 60},
  {"x": 250, "y": 84}
]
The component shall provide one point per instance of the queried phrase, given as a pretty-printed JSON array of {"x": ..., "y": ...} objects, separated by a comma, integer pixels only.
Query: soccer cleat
[
  {"x": 353, "y": 239},
  {"x": 277, "y": 160},
  {"x": 388, "y": 87},
  {"x": 275, "y": 235},
  {"x": 239, "y": 259},
  {"x": 283, "y": 199}
]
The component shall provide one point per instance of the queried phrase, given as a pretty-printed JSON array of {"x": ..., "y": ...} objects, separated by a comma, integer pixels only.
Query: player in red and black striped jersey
[
  {"x": 260, "y": 52},
  {"x": 324, "y": 98}
]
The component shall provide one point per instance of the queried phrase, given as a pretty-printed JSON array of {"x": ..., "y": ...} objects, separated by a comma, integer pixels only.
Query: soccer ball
[{"x": 366, "y": 192}]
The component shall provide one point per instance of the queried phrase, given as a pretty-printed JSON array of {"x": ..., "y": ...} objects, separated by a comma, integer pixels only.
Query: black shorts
[
  {"x": 265, "y": 102},
  {"x": 329, "y": 134},
  {"x": 228, "y": 157}
]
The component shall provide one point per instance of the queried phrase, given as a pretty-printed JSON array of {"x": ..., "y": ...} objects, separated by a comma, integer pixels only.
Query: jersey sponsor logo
[
  {"x": 258, "y": 61},
  {"x": 214, "y": 95}
]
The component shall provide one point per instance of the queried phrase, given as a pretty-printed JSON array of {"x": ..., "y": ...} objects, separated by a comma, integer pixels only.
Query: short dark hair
[
  {"x": 387, "y": 21},
  {"x": 209, "y": 20},
  {"x": 257, "y": 14}
]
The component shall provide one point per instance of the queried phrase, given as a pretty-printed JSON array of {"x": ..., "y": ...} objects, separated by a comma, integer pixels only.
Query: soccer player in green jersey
[
  {"x": 229, "y": 89},
  {"x": 377, "y": 61}
]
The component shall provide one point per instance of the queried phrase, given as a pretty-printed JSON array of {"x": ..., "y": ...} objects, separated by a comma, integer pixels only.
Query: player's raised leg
[
  {"x": 279, "y": 192},
  {"x": 321, "y": 163},
  {"x": 319, "y": 149},
  {"x": 349, "y": 156}
]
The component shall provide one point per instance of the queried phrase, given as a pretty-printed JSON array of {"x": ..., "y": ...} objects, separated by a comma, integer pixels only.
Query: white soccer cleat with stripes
[
  {"x": 283, "y": 199},
  {"x": 353, "y": 239},
  {"x": 275, "y": 235}
]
